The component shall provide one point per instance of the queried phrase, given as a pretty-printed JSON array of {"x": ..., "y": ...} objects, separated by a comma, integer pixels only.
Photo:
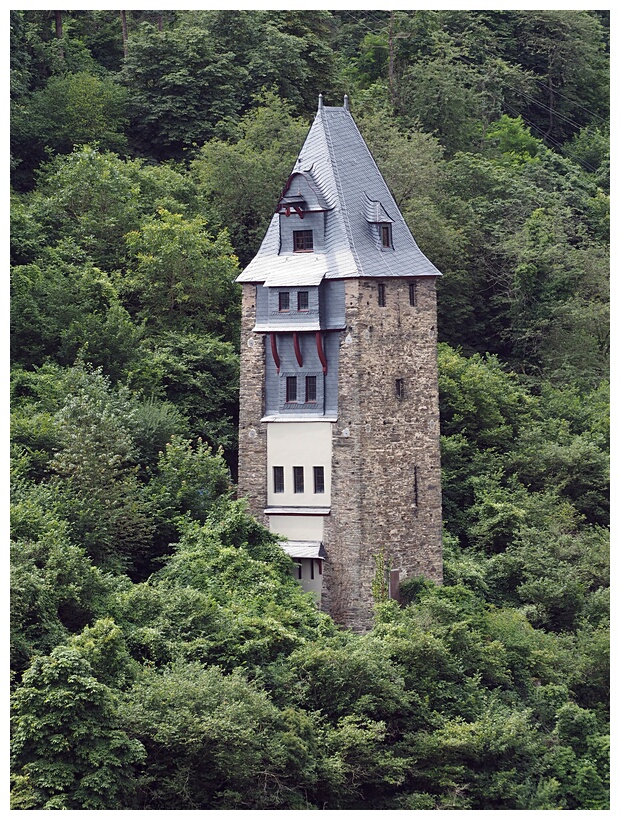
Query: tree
[
  {"x": 239, "y": 182},
  {"x": 216, "y": 741},
  {"x": 71, "y": 110},
  {"x": 182, "y": 279},
  {"x": 182, "y": 84},
  {"x": 68, "y": 750}
]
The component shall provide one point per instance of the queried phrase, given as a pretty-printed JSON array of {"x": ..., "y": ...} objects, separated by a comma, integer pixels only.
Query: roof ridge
[
  {"x": 343, "y": 211},
  {"x": 372, "y": 159}
]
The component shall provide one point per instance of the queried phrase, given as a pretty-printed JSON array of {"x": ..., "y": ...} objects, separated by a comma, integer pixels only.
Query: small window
[
  {"x": 412, "y": 294},
  {"x": 415, "y": 486},
  {"x": 302, "y": 241},
  {"x": 310, "y": 388},
  {"x": 278, "y": 479},
  {"x": 302, "y": 300},
  {"x": 319, "y": 479},
  {"x": 291, "y": 388},
  {"x": 386, "y": 236},
  {"x": 298, "y": 479},
  {"x": 400, "y": 388},
  {"x": 381, "y": 295},
  {"x": 298, "y": 566},
  {"x": 285, "y": 300}
]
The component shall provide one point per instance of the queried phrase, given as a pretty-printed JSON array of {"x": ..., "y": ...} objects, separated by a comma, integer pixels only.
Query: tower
[{"x": 339, "y": 415}]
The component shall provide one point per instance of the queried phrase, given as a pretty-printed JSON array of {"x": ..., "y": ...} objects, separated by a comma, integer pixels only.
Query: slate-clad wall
[
  {"x": 382, "y": 444},
  {"x": 314, "y": 222},
  {"x": 252, "y": 434},
  {"x": 331, "y": 303},
  {"x": 327, "y": 386}
]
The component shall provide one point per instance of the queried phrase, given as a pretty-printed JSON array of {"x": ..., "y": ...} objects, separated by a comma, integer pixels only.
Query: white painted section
[
  {"x": 309, "y": 567},
  {"x": 299, "y": 444},
  {"x": 298, "y": 527}
]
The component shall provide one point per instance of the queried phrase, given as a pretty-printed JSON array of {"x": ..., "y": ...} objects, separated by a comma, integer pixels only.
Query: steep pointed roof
[{"x": 338, "y": 165}]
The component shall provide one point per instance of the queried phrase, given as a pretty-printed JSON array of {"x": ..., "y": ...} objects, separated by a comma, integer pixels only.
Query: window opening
[
  {"x": 319, "y": 479},
  {"x": 291, "y": 388},
  {"x": 381, "y": 295},
  {"x": 412, "y": 294},
  {"x": 312, "y": 569},
  {"x": 298, "y": 479},
  {"x": 278, "y": 479},
  {"x": 302, "y": 300},
  {"x": 400, "y": 388},
  {"x": 284, "y": 301},
  {"x": 415, "y": 486},
  {"x": 395, "y": 585},
  {"x": 386, "y": 236},
  {"x": 303, "y": 241},
  {"x": 310, "y": 388},
  {"x": 298, "y": 565}
]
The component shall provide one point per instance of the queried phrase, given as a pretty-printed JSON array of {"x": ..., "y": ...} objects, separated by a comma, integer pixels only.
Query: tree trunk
[
  {"x": 391, "y": 57},
  {"x": 124, "y": 27},
  {"x": 58, "y": 18}
]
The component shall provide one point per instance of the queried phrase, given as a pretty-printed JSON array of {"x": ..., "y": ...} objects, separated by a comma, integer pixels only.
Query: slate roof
[
  {"x": 338, "y": 164},
  {"x": 303, "y": 549}
]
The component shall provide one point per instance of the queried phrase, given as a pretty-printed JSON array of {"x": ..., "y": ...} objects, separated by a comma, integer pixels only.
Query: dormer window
[
  {"x": 302, "y": 300},
  {"x": 303, "y": 241},
  {"x": 386, "y": 236},
  {"x": 284, "y": 301}
]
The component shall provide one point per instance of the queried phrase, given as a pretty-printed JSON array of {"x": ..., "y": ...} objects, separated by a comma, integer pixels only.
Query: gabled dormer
[
  {"x": 302, "y": 209},
  {"x": 379, "y": 223}
]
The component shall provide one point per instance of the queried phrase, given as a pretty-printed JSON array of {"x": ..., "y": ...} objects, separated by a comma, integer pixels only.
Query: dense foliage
[{"x": 162, "y": 655}]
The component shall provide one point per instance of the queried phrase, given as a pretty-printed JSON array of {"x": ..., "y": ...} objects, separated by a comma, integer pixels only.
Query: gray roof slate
[
  {"x": 341, "y": 168},
  {"x": 303, "y": 549}
]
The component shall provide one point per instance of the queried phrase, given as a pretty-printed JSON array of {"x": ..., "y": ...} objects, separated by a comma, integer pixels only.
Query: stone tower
[{"x": 339, "y": 416}]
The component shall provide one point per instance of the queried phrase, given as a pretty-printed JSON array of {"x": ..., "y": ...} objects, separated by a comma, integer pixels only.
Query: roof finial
[
  {"x": 346, "y": 102},
  {"x": 320, "y": 101}
]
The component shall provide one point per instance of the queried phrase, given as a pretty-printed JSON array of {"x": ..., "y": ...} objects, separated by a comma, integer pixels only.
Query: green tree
[
  {"x": 197, "y": 373},
  {"x": 71, "y": 110},
  {"x": 68, "y": 749},
  {"x": 182, "y": 279},
  {"x": 215, "y": 741},
  {"x": 239, "y": 182},
  {"x": 182, "y": 83}
]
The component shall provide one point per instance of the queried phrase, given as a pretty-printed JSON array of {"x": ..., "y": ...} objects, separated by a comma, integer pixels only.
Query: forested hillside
[{"x": 162, "y": 655}]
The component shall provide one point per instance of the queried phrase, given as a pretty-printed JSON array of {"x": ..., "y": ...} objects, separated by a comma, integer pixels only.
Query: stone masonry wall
[
  {"x": 252, "y": 434},
  {"x": 386, "y": 489}
]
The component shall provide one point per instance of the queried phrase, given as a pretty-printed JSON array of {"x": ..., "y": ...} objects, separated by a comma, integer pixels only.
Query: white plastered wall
[
  {"x": 299, "y": 444},
  {"x": 298, "y": 527}
]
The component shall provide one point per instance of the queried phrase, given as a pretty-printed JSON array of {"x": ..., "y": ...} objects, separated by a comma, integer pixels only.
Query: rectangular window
[
  {"x": 400, "y": 388},
  {"x": 415, "y": 486},
  {"x": 412, "y": 294},
  {"x": 310, "y": 388},
  {"x": 302, "y": 300},
  {"x": 291, "y": 388},
  {"x": 299, "y": 572},
  {"x": 285, "y": 301},
  {"x": 386, "y": 236},
  {"x": 278, "y": 479},
  {"x": 319, "y": 479},
  {"x": 298, "y": 479},
  {"x": 381, "y": 295},
  {"x": 303, "y": 241},
  {"x": 395, "y": 585}
]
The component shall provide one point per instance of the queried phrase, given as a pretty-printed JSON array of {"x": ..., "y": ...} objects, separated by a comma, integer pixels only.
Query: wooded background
[{"x": 162, "y": 655}]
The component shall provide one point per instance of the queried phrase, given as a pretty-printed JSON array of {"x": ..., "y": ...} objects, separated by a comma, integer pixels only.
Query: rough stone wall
[
  {"x": 386, "y": 489},
  {"x": 252, "y": 434}
]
